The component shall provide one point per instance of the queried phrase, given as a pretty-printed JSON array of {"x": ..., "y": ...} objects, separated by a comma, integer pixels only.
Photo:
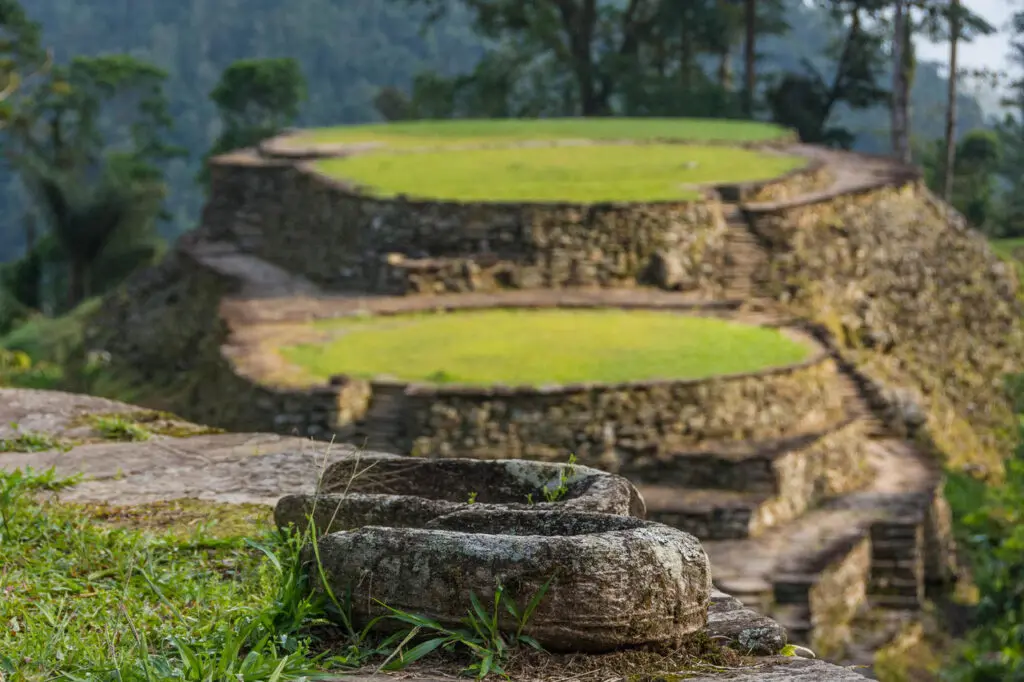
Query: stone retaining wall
[
  {"x": 618, "y": 428},
  {"x": 814, "y": 177},
  {"x": 312, "y": 225},
  {"x": 624, "y": 428},
  {"x": 817, "y": 606},
  {"x": 891, "y": 276},
  {"x": 166, "y": 336},
  {"x": 837, "y": 596}
]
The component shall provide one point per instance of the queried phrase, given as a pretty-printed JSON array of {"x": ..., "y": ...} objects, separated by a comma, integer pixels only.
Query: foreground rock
[
  {"x": 401, "y": 492},
  {"x": 612, "y": 581}
]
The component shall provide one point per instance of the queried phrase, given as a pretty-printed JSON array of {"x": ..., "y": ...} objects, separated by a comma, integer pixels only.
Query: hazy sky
[{"x": 990, "y": 51}]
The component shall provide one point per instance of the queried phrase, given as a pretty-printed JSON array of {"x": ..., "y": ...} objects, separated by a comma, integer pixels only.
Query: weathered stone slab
[
  {"x": 408, "y": 492},
  {"x": 743, "y": 629},
  {"x": 614, "y": 580}
]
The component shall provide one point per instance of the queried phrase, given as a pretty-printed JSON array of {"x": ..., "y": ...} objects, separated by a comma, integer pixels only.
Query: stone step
[
  {"x": 707, "y": 513},
  {"x": 831, "y": 547},
  {"x": 379, "y": 429},
  {"x": 745, "y": 258},
  {"x": 769, "y": 467},
  {"x": 257, "y": 277}
]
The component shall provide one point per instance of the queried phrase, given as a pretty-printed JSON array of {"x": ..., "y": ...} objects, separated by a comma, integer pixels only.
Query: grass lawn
[
  {"x": 582, "y": 174},
  {"x": 1006, "y": 247},
  {"x": 542, "y": 347},
  {"x": 433, "y": 133}
]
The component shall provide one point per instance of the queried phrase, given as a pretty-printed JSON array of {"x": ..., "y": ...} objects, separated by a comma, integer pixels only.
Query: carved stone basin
[
  {"x": 615, "y": 581},
  {"x": 409, "y": 492}
]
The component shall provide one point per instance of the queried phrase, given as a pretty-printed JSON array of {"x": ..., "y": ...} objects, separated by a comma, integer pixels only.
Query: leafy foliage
[{"x": 256, "y": 99}]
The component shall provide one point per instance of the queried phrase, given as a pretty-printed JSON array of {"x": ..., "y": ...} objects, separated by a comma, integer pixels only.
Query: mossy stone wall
[
  {"x": 619, "y": 428},
  {"x": 913, "y": 296},
  {"x": 314, "y": 226}
]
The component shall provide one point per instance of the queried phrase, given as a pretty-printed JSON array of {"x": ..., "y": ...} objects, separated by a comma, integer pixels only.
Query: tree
[
  {"x": 257, "y": 99},
  {"x": 902, "y": 61},
  {"x": 21, "y": 54},
  {"x": 21, "y": 57},
  {"x": 89, "y": 142},
  {"x": 749, "y": 56},
  {"x": 963, "y": 25},
  {"x": 636, "y": 57},
  {"x": 978, "y": 159},
  {"x": 950, "y": 136},
  {"x": 92, "y": 217},
  {"x": 805, "y": 101},
  {"x": 1011, "y": 134},
  {"x": 593, "y": 42}
]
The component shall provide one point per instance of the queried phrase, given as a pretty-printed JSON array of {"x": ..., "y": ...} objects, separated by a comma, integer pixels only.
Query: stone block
[
  {"x": 389, "y": 490},
  {"x": 611, "y": 581}
]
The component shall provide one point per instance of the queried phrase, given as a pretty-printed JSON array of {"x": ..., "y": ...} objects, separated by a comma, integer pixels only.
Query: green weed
[
  {"x": 479, "y": 635},
  {"x": 84, "y": 600},
  {"x": 31, "y": 441},
  {"x": 556, "y": 493},
  {"x": 116, "y": 427}
]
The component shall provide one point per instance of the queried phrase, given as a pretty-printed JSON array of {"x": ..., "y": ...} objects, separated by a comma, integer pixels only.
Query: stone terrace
[{"x": 811, "y": 521}]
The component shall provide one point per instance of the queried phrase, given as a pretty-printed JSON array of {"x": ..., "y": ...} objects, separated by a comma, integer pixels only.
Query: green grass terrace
[
  {"x": 539, "y": 347},
  {"x": 582, "y": 174},
  {"x": 489, "y": 131}
]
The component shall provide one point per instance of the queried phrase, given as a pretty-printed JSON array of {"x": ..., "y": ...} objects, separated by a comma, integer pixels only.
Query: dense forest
[{"x": 348, "y": 50}]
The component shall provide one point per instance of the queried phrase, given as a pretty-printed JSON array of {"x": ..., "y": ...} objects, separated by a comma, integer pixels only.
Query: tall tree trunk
[
  {"x": 686, "y": 58},
  {"x": 749, "y": 57},
  {"x": 900, "y": 86},
  {"x": 725, "y": 72},
  {"x": 578, "y": 22},
  {"x": 949, "y": 167},
  {"x": 725, "y": 69},
  {"x": 77, "y": 275},
  {"x": 30, "y": 232}
]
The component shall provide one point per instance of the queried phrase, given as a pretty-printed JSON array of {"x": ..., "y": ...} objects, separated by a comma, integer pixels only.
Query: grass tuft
[{"x": 31, "y": 441}]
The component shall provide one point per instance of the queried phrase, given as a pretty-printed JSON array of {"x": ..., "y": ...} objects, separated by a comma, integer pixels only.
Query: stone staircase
[
  {"x": 784, "y": 536},
  {"x": 746, "y": 260},
  {"x": 380, "y": 428},
  {"x": 809, "y": 551}
]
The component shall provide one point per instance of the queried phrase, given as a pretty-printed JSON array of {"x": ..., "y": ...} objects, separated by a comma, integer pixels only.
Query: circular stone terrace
[
  {"x": 581, "y": 161},
  {"x": 453, "y": 206},
  {"x": 620, "y": 379}
]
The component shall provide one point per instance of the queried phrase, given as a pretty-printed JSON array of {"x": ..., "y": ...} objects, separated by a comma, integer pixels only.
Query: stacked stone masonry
[
  {"x": 779, "y": 465},
  {"x": 366, "y": 244}
]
